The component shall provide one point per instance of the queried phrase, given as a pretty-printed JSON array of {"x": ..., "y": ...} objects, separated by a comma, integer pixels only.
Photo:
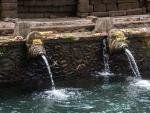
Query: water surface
[{"x": 115, "y": 97}]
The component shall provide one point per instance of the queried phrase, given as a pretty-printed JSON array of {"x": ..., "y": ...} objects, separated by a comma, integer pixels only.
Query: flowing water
[
  {"x": 106, "y": 72},
  {"x": 133, "y": 64},
  {"x": 105, "y": 57},
  {"x": 49, "y": 71},
  {"x": 101, "y": 98}
]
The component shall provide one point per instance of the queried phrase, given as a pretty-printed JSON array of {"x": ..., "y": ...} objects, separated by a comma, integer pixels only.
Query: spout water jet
[
  {"x": 106, "y": 70},
  {"x": 36, "y": 49},
  {"x": 49, "y": 71},
  {"x": 105, "y": 57},
  {"x": 133, "y": 64}
]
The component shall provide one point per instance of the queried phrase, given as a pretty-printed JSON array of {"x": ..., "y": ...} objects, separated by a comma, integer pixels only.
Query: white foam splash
[
  {"x": 143, "y": 84},
  {"x": 57, "y": 94},
  {"x": 105, "y": 73}
]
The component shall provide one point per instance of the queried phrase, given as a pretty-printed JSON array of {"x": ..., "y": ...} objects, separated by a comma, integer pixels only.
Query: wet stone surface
[
  {"x": 75, "y": 58},
  {"x": 12, "y": 63},
  {"x": 141, "y": 51},
  {"x": 68, "y": 58}
]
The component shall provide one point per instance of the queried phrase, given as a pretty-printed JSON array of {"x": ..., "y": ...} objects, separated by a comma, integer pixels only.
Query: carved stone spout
[
  {"x": 117, "y": 40},
  {"x": 35, "y": 45}
]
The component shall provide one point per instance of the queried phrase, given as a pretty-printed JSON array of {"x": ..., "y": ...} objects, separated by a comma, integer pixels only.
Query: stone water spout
[
  {"x": 35, "y": 44},
  {"x": 117, "y": 40},
  {"x": 36, "y": 49}
]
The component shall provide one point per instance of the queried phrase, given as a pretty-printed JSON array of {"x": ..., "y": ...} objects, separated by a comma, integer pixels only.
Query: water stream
[
  {"x": 49, "y": 71},
  {"x": 106, "y": 72},
  {"x": 54, "y": 93},
  {"x": 133, "y": 64},
  {"x": 105, "y": 57}
]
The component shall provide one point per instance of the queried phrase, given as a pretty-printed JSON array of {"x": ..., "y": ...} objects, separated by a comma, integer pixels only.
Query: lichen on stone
[
  {"x": 47, "y": 34},
  {"x": 68, "y": 36},
  {"x": 117, "y": 40}
]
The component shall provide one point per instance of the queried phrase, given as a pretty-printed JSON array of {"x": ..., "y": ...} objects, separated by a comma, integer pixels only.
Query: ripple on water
[{"x": 106, "y": 98}]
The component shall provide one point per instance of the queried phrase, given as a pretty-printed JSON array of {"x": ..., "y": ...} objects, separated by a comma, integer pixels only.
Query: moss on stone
[{"x": 68, "y": 36}]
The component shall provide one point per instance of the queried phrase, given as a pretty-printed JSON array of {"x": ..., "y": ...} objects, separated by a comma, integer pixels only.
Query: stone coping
[
  {"x": 76, "y": 24},
  {"x": 75, "y": 36},
  {"x": 50, "y": 35}
]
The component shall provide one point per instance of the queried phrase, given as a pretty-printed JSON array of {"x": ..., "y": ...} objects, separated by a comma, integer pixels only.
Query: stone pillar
[
  {"x": 22, "y": 29},
  {"x": 83, "y": 8},
  {"x": 8, "y": 8}
]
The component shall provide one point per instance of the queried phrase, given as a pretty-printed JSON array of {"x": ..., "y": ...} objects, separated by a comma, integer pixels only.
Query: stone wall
[
  {"x": 8, "y": 8},
  {"x": 66, "y": 58},
  {"x": 46, "y": 8},
  {"x": 69, "y": 58},
  {"x": 116, "y": 7},
  {"x": 62, "y": 8},
  {"x": 147, "y": 4}
]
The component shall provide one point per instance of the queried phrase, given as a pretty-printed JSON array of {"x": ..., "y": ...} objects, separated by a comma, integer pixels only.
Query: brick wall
[{"x": 46, "y": 8}]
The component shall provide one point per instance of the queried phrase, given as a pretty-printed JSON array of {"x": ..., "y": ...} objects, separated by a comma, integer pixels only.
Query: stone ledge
[{"x": 52, "y": 36}]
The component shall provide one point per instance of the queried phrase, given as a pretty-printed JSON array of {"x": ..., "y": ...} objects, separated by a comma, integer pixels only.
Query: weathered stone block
[
  {"x": 109, "y": 1},
  {"x": 91, "y": 8},
  {"x": 135, "y": 11},
  {"x": 103, "y": 25},
  {"x": 8, "y": 6},
  {"x": 37, "y": 3},
  {"x": 125, "y": 6},
  {"x": 93, "y": 2},
  {"x": 9, "y": 1},
  {"x": 144, "y": 10},
  {"x": 99, "y": 8},
  {"x": 127, "y": 1},
  {"x": 100, "y": 14},
  {"x": 31, "y": 15},
  {"x": 23, "y": 10},
  {"x": 148, "y": 6},
  {"x": 83, "y": 6},
  {"x": 63, "y": 2},
  {"x": 20, "y": 3},
  {"x": 111, "y": 7},
  {"x": 117, "y": 13},
  {"x": 53, "y": 9},
  {"x": 9, "y": 13},
  {"x": 67, "y": 9},
  {"x": 22, "y": 29},
  {"x": 82, "y": 14}
]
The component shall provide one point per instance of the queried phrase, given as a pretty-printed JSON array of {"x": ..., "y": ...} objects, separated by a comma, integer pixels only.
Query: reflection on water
[{"x": 131, "y": 97}]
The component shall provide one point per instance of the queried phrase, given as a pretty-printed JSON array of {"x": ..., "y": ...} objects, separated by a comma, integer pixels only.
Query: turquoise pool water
[{"x": 115, "y": 97}]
